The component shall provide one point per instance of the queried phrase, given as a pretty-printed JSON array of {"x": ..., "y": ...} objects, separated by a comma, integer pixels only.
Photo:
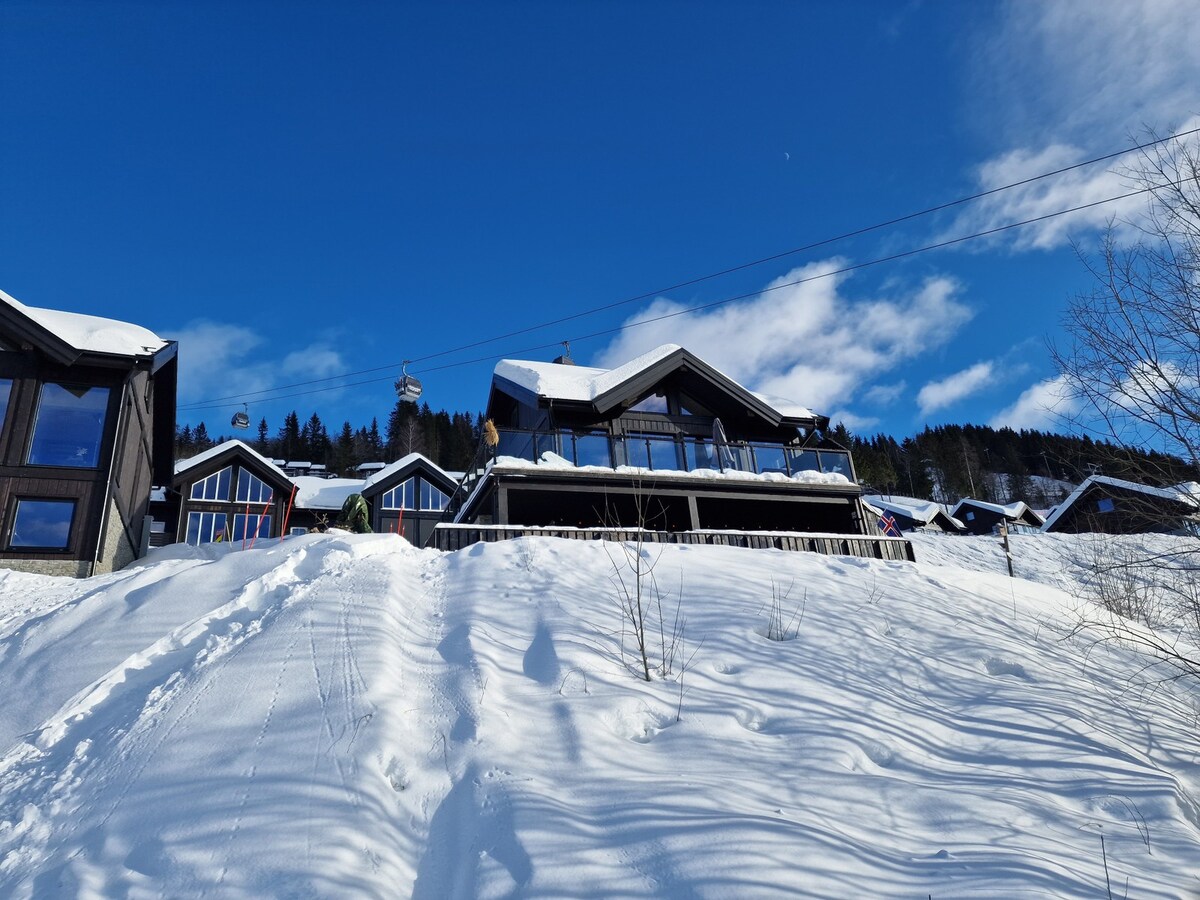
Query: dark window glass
[
  {"x": 592, "y": 450},
  {"x": 244, "y": 527},
  {"x": 251, "y": 489},
  {"x": 203, "y": 528},
  {"x": 636, "y": 451},
  {"x": 803, "y": 461},
  {"x": 656, "y": 403},
  {"x": 835, "y": 461},
  {"x": 5, "y": 393},
  {"x": 45, "y": 524},
  {"x": 214, "y": 487},
  {"x": 769, "y": 458},
  {"x": 518, "y": 444},
  {"x": 664, "y": 453},
  {"x": 70, "y": 426},
  {"x": 1104, "y": 505},
  {"x": 700, "y": 454},
  {"x": 401, "y": 496},
  {"x": 431, "y": 497}
]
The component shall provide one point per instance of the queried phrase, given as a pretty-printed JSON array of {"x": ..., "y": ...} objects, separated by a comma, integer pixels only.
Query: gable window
[
  {"x": 1105, "y": 505},
  {"x": 252, "y": 489},
  {"x": 204, "y": 528},
  {"x": 42, "y": 524},
  {"x": 653, "y": 403},
  {"x": 970, "y": 517},
  {"x": 69, "y": 427},
  {"x": 214, "y": 487},
  {"x": 252, "y": 526},
  {"x": 431, "y": 497},
  {"x": 401, "y": 496}
]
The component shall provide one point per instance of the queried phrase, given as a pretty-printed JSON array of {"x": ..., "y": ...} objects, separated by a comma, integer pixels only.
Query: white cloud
[
  {"x": 1071, "y": 79},
  {"x": 809, "y": 342},
  {"x": 1044, "y": 405},
  {"x": 218, "y": 360},
  {"x": 939, "y": 394},
  {"x": 885, "y": 394}
]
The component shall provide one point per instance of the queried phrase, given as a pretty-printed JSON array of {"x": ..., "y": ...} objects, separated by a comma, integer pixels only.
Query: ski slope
[{"x": 337, "y": 715}]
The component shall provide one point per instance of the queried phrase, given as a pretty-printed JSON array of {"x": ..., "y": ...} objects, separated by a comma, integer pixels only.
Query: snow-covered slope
[{"x": 341, "y": 715}]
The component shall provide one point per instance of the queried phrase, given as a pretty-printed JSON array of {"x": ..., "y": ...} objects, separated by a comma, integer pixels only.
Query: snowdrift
[{"x": 338, "y": 715}]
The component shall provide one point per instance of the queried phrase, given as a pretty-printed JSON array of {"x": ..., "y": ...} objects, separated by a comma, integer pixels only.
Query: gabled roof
[
  {"x": 1184, "y": 494},
  {"x": 924, "y": 511},
  {"x": 607, "y": 389},
  {"x": 402, "y": 468},
  {"x": 1011, "y": 511},
  {"x": 313, "y": 492},
  {"x": 66, "y": 336},
  {"x": 231, "y": 448}
]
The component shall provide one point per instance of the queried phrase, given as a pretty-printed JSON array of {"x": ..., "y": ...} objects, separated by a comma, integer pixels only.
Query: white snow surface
[
  {"x": 92, "y": 334},
  {"x": 1013, "y": 510},
  {"x": 391, "y": 468},
  {"x": 552, "y": 461},
  {"x": 314, "y": 492},
  {"x": 182, "y": 465},
  {"x": 337, "y": 715}
]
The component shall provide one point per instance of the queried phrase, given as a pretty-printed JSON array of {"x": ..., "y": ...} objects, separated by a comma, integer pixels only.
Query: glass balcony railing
[{"x": 669, "y": 453}]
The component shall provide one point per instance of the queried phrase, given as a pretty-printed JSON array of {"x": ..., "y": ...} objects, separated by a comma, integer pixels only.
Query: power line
[
  {"x": 698, "y": 280},
  {"x": 939, "y": 245}
]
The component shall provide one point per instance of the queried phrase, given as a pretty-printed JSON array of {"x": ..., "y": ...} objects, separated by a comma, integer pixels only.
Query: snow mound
[{"x": 344, "y": 715}]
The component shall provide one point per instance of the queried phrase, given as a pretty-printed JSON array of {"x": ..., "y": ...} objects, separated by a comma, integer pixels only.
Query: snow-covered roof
[
  {"x": 919, "y": 510},
  {"x": 1183, "y": 493},
  {"x": 92, "y": 334},
  {"x": 191, "y": 462},
  {"x": 1013, "y": 510},
  {"x": 549, "y": 460},
  {"x": 399, "y": 464},
  {"x": 584, "y": 383},
  {"x": 324, "y": 493}
]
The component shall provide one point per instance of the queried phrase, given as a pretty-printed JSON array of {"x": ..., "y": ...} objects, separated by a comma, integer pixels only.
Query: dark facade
[
  {"x": 409, "y": 497},
  {"x": 230, "y": 493},
  {"x": 665, "y": 442},
  {"x": 1114, "y": 506},
  {"x": 87, "y": 407},
  {"x": 979, "y": 517}
]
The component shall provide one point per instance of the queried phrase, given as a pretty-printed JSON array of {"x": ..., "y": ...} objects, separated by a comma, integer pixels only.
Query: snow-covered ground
[{"x": 335, "y": 715}]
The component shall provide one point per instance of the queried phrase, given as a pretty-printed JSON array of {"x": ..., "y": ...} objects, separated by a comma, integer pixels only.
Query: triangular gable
[
  {"x": 403, "y": 469},
  {"x": 1182, "y": 497},
  {"x": 218, "y": 457}
]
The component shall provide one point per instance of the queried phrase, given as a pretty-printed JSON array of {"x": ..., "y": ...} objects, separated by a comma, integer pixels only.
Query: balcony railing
[{"x": 671, "y": 453}]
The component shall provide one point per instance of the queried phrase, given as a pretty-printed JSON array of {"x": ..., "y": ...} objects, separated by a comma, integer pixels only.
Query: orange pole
[{"x": 288, "y": 514}]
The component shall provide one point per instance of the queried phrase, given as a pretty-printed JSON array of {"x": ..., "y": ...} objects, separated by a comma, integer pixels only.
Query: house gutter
[{"x": 112, "y": 463}]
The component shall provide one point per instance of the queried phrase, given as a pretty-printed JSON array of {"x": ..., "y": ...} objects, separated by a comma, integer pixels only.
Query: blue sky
[{"x": 299, "y": 190}]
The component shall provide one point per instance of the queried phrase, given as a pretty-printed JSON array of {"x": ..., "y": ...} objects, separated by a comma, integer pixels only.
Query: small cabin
[
  {"x": 980, "y": 517},
  {"x": 87, "y": 425},
  {"x": 912, "y": 514},
  {"x": 409, "y": 497},
  {"x": 1115, "y": 506},
  {"x": 230, "y": 492}
]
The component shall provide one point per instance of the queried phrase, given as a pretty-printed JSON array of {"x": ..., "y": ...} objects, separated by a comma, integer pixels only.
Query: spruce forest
[{"x": 943, "y": 463}]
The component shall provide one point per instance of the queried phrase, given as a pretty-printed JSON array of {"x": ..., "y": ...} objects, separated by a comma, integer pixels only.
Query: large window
[
  {"x": 251, "y": 489},
  {"x": 431, "y": 497},
  {"x": 203, "y": 528},
  {"x": 69, "y": 427},
  {"x": 214, "y": 487},
  {"x": 247, "y": 527},
  {"x": 42, "y": 524},
  {"x": 401, "y": 496}
]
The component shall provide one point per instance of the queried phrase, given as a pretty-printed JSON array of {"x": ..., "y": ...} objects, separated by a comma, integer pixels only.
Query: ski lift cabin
[{"x": 408, "y": 388}]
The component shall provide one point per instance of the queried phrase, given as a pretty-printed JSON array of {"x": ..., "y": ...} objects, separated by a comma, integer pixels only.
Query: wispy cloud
[
  {"x": 1064, "y": 81},
  {"x": 810, "y": 342},
  {"x": 949, "y": 390},
  {"x": 1044, "y": 405}
]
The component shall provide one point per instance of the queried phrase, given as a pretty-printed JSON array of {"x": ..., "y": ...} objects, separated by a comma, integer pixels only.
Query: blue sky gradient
[{"x": 305, "y": 189}]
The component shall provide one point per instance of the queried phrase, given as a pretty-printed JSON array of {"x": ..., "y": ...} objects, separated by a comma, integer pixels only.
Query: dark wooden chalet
[
  {"x": 410, "y": 497},
  {"x": 980, "y": 517},
  {"x": 665, "y": 442},
  {"x": 1115, "y": 506},
  {"x": 87, "y": 424},
  {"x": 230, "y": 493}
]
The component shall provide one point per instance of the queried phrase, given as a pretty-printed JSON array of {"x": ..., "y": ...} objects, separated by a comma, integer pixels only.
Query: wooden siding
[{"x": 455, "y": 537}]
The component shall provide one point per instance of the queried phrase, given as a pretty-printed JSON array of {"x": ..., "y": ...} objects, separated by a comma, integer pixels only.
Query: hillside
[{"x": 338, "y": 715}]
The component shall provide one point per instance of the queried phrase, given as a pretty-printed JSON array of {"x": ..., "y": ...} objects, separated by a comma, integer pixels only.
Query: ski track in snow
[{"x": 346, "y": 716}]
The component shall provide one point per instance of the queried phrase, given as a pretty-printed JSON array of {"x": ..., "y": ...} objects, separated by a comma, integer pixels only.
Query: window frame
[
  {"x": 14, "y": 513},
  {"x": 36, "y": 420},
  {"x": 214, "y": 477}
]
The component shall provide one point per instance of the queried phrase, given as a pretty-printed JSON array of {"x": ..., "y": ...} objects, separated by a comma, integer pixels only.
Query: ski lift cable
[
  {"x": 215, "y": 403},
  {"x": 811, "y": 246}
]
